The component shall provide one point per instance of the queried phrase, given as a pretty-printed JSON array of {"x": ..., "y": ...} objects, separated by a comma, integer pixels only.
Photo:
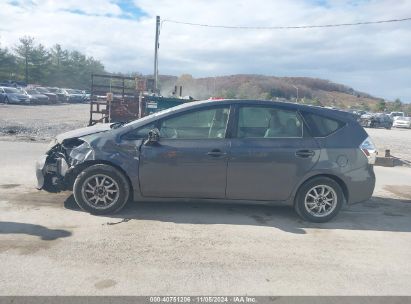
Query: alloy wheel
[
  {"x": 100, "y": 191},
  {"x": 320, "y": 200}
]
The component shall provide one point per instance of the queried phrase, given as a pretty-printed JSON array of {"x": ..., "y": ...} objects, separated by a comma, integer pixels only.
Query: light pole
[
  {"x": 295, "y": 87},
  {"x": 156, "y": 47}
]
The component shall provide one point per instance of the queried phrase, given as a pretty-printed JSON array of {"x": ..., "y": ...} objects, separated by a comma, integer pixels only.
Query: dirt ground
[{"x": 48, "y": 246}]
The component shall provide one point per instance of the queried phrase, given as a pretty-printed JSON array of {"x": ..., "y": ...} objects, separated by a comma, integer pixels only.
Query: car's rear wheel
[
  {"x": 101, "y": 189},
  {"x": 319, "y": 200}
]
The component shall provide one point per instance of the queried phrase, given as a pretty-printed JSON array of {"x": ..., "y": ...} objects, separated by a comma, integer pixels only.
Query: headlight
[{"x": 62, "y": 166}]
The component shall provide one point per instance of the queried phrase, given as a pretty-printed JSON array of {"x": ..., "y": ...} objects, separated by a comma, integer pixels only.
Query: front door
[
  {"x": 190, "y": 159},
  {"x": 269, "y": 155}
]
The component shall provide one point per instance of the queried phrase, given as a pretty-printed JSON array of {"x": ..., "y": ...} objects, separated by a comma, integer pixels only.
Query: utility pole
[
  {"x": 156, "y": 46},
  {"x": 295, "y": 87}
]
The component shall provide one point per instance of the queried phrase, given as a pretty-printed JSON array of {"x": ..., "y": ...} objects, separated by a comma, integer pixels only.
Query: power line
[{"x": 286, "y": 27}]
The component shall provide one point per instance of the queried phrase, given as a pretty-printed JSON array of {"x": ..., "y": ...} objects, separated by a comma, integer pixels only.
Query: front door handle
[
  {"x": 216, "y": 153},
  {"x": 305, "y": 153}
]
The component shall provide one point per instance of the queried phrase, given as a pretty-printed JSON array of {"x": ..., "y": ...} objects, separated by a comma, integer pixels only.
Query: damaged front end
[{"x": 57, "y": 169}]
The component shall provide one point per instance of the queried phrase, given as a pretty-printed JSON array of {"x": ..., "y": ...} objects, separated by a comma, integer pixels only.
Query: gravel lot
[
  {"x": 42, "y": 122},
  {"x": 396, "y": 140}
]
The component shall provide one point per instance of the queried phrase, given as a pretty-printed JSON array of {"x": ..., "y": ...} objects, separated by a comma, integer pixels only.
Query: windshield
[
  {"x": 42, "y": 90},
  {"x": 159, "y": 113},
  {"x": 71, "y": 91},
  {"x": 11, "y": 90}
]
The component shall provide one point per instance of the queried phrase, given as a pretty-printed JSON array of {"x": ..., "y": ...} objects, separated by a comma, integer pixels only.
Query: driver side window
[
  {"x": 211, "y": 123},
  {"x": 140, "y": 133}
]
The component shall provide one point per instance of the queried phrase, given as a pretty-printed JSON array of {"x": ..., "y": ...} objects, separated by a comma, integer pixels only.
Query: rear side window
[
  {"x": 268, "y": 122},
  {"x": 322, "y": 126}
]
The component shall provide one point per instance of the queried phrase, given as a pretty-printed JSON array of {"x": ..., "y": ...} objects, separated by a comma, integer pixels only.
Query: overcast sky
[{"x": 372, "y": 58}]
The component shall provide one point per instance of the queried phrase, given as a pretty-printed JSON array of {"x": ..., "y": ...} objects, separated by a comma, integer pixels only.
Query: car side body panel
[{"x": 268, "y": 169}]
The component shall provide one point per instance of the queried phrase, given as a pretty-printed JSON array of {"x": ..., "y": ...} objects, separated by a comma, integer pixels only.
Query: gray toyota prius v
[{"x": 244, "y": 151}]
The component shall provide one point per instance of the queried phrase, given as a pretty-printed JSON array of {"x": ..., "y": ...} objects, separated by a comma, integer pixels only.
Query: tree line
[{"x": 33, "y": 63}]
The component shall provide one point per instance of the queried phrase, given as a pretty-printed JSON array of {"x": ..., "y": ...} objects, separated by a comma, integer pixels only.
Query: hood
[
  {"x": 83, "y": 132},
  {"x": 38, "y": 95},
  {"x": 76, "y": 95}
]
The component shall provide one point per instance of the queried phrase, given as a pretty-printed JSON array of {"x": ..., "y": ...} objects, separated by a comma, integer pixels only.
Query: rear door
[
  {"x": 269, "y": 154},
  {"x": 190, "y": 160}
]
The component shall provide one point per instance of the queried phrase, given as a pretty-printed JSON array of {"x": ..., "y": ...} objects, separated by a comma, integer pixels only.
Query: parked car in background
[
  {"x": 87, "y": 95},
  {"x": 394, "y": 115},
  {"x": 359, "y": 112},
  {"x": 61, "y": 96},
  {"x": 36, "y": 97},
  {"x": 248, "y": 151},
  {"x": 375, "y": 120},
  {"x": 13, "y": 95},
  {"x": 52, "y": 96},
  {"x": 75, "y": 96},
  {"x": 12, "y": 83},
  {"x": 402, "y": 122}
]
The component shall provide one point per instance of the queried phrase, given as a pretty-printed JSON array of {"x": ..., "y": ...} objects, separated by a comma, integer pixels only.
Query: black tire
[
  {"x": 82, "y": 188},
  {"x": 305, "y": 190}
]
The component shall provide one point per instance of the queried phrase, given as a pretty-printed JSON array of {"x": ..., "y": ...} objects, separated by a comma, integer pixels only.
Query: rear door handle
[
  {"x": 216, "y": 153},
  {"x": 305, "y": 153}
]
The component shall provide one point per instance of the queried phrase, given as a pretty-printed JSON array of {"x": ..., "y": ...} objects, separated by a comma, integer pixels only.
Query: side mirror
[{"x": 153, "y": 137}]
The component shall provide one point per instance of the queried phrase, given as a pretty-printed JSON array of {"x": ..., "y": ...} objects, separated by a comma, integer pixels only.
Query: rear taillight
[{"x": 369, "y": 150}]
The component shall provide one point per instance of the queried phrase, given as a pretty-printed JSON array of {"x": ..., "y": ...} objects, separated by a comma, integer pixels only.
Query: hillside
[{"x": 310, "y": 90}]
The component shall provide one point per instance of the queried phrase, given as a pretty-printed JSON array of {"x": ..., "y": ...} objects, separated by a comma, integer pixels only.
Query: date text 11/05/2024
[{"x": 203, "y": 299}]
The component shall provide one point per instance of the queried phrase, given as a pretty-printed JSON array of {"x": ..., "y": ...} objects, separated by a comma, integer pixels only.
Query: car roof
[
  {"x": 2, "y": 87},
  {"x": 335, "y": 113},
  {"x": 187, "y": 106}
]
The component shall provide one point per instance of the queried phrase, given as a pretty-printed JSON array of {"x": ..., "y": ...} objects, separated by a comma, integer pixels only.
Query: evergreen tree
[
  {"x": 397, "y": 105},
  {"x": 8, "y": 65},
  {"x": 24, "y": 52}
]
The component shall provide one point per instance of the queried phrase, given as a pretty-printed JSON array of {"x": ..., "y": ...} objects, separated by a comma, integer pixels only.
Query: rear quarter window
[{"x": 322, "y": 126}]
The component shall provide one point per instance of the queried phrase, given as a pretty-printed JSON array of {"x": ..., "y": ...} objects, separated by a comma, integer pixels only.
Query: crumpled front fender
[{"x": 80, "y": 154}]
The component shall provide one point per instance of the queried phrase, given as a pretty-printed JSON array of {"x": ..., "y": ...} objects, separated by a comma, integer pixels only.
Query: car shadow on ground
[
  {"x": 44, "y": 233},
  {"x": 377, "y": 214}
]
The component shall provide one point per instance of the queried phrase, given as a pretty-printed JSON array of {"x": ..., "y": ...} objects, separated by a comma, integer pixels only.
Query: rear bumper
[
  {"x": 360, "y": 184},
  {"x": 401, "y": 125}
]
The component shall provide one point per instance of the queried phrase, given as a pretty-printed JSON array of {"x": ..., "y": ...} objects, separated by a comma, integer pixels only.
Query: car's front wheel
[
  {"x": 101, "y": 189},
  {"x": 319, "y": 200}
]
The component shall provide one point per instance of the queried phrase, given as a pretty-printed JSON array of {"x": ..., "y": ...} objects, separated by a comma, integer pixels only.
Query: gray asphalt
[{"x": 49, "y": 247}]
